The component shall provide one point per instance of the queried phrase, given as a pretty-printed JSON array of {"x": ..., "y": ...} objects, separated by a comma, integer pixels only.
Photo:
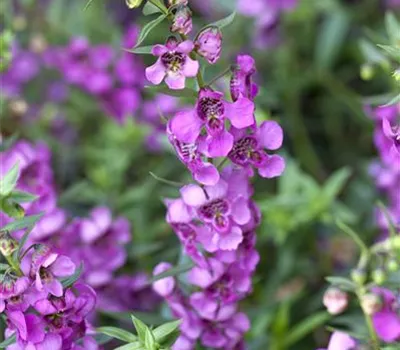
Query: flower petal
[
  {"x": 159, "y": 50},
  {"x": 62, "y": 267},
  {"x": 190, "y": 68},
  {"x": 220, "y": 145},
  {"x": 273, "y": 167},
  {"x": 240, "y": 113},
  {"x": 271, "y": 135},
  {"x": 175, "y": 81},
  {"x": 207, "y": 174},
  {"x": 186, "y": 126},
  {"x": 231, "y": 240},
  {"x": 193, "y": 195},
  {"x": 156, "y": 72},
  {"x": 185, "y": 46}
]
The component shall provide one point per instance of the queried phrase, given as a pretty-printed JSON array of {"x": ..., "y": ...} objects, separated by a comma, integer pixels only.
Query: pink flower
[
  {"x": 209, "y": 44},
  {"x": 173, "y": 64},
  {"x": 335, "y": 301}
]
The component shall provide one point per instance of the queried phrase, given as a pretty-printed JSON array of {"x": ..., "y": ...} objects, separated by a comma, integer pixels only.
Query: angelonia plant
[
  {"x": 223, "y": 147},
  {"x": 374, "y": 283}
]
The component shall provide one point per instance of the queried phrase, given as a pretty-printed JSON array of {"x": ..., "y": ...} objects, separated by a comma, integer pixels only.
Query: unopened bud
[
  {"x": 359, "y": 276},
  {"x": 133, "y": 3},
  {"x": 335, "y": 300},
  {"x": 367, "y": 71},
  {"x": 8, "y": 245},
  {"x": 182, "y": 21},
  {"x": 177, "y": 2},
  {"x": 38, "y": 43},
  {"x": 371, "y": 303},
  {"x": 392, "y": 265},
  {"x": 18, "y": 107},
  {"x": 209, "y": 44},
  {"x": 378, "y": 276}
]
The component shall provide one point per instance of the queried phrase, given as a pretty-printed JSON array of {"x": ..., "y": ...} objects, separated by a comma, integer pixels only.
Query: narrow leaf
[
  {"x": 141, "y": 50},
  {"x": 18, "y": 253},
  {"x": 393, "y": 101},
  {"x": 163, "y": 331},
  {"x": 224, "y": 21},
  {"x": 140, "y": 327},
  {"x": 20, "y": 224},
  {"x": 72, "y": 279},
  {"x": 4, "y": 267},
  {"x": 148, "y": 28},
  {"x": 131, "y": 346},
  {"x": 118, "y": 333},
  {"x": 9, "y": 181},
  {"x": 341, "y": 282},
  {"x": 150, "y": 9},
  {"x": 168, "y": 182},
  {"x": 335, "y": 183},
  {"x": 174, "y": 271},
  {"x": 306, "y": 326},
  {"x": 149, "y": 340},
  {"x": 392, "y": 51},
  {"x": 392, "y": 28},
  {"x": 22, "y": 197},
  {"x": 87, "y": 5},
  {"x": 8, "y": 341}
]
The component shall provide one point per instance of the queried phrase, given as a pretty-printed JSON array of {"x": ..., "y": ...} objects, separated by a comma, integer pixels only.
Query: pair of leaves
[{"x": 146, "y": 339}]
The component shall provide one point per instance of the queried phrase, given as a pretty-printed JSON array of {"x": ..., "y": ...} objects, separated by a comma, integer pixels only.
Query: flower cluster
[
  {"x": 43, "y": 312},
  {"x": 36, "y": 177},
  {"x": 268, "y": 16},
  {"x": 387, "y": 171},
  {"x": 215, "y": 220},
  {"x": 115, "y": 81}
]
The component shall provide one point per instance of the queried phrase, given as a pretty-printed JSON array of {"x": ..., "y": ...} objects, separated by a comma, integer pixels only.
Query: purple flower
[
  {"x": 164, "y": 286},
  {"x": 188, "y": 153},
  {"x": 210, "y": 112},
  {"x": 341, "y": 341},
  {"x": 173, "y": 63},
  {"x": 182, "y": 21},
  {"x": 209, "y": 44},
  {"x": 11, "y": 293},
  {"x": 121, "y": 103},
  {"x": 46, "y": 267},
  {"x": 248, "y": 149},
  {"x": 98, "y": 242},
  {"x": 391, "y": 142},
  {"x": 241, "y": 84},
  {"x": 387, "y": 321}
]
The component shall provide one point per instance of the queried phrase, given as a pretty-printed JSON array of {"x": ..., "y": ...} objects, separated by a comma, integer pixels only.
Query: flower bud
[
  {"x": 371, "y": 303},
  {"x": 18, "y": 107},
  {"x": 367, "y": 72},
  {"x": 133, "y": 3},
  {"x": 8, "y": 245},
  {"x": 182, "y": 22},
  {"x": 335, "y": 300},
  {"x": 177, "y": 2},
  {"x": 359, "y": 276},
  {"x": 378, "y": 276},
  {"x": 38, "y": 43},
  {"x": 209, "y": 44},
  {"x": 392, "y": 265}
]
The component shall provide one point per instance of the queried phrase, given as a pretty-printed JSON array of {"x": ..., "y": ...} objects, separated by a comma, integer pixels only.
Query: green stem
[
  {"x": 372, "y": 333},
  {"x": 14, "y": 265},
  {"x": 162, "y": 8}
]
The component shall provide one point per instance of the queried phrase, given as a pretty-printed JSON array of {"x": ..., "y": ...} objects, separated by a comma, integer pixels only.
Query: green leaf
[
  {"x": 25, "y": 222},
  {"x": 140, "y": 327},
  {"x": 131, "y": 346},
  {"x": 341, "y": 282},
  {"x": 9, "y": 181},
  {"x": 392, "y": 28},
  {"x": 186, "y": 92},
  {"x": 149, "y": 9},
  {"x": 18, "y": 253},
  {"x": 371, "y": 53},
  {"x": 331, "y": 38},
  {"x": 174, "y": 271},
  {"x": 141, "y": 50},
  {"x": 149, "y": 340},
  {"x": 166, "y": 181},
  {"x": 118, "y": 333},
  {"x": 8, "y": 142},
  {"x": 149, "y": 27},
  {"x": 87, "y": 5},
  {"x": 8, "y": 341},
  {"x": 392, "y": 51},
  {"x": 306, "y": 326},
  {"x": 163, "y": 331},
  {"x": 335, "y": 183},
  {"x": 72, "y": 279},
  {"x": 22, "y": 197},
  {"x": 223, "y": 22},
  {"x": 4, "y": 267}
]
